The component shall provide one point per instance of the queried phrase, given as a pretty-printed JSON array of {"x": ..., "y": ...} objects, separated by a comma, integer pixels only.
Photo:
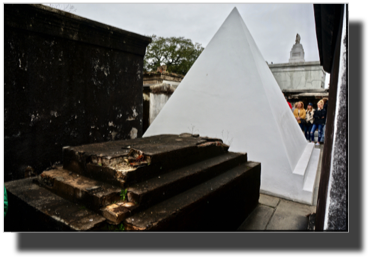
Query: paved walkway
[{"x": 273, "y": 213}]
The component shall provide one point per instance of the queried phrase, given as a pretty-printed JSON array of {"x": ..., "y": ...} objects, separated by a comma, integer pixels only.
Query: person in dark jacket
[
  {"x": 309, "y": 122},
  {"x": 319, "y": 121},
  {"x": 325, "y": 103}
]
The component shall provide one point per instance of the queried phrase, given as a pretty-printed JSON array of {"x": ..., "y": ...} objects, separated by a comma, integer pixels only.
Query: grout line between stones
[
  {"x": 278, "y": 202},
  {"x": 274, "y": 211}
]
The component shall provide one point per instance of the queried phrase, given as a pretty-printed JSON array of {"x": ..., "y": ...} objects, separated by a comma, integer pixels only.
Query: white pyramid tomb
[{"x": 230, "y": 93}]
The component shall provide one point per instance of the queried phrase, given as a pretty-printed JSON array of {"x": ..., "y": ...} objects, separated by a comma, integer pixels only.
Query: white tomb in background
[
  {"x": 297, "y": 54},
  {"x": 300, "y": 80},
  {"x": 230, "y": 93}
]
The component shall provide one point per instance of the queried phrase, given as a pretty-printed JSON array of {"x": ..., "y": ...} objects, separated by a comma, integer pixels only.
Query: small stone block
[
  {"x": 116, "y": 213},
  {"x": 268, "y": 200}
]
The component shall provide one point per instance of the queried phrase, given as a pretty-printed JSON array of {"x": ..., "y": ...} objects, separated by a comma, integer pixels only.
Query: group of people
[{"x": 312, "y": 119}]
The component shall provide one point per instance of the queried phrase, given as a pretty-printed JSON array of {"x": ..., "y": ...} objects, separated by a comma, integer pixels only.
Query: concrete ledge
[
  {"x": 303, "y": 162},
  {"x": 309, "y": 90},
  {"x": 305, "y": 64},
  {"x": 311, "y": 171}
]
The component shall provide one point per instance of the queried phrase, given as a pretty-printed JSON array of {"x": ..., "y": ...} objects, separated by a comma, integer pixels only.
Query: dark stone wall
[{"x": 67, "y": 81}]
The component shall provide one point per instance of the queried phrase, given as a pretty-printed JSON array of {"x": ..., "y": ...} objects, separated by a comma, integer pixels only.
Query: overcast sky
[{"x": 273, "y": 26}]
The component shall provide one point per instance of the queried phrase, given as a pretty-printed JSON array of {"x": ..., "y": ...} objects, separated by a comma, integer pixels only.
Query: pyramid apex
[
  {"x": 234, "y": 10},
  {"x": 234, "y": 13}
]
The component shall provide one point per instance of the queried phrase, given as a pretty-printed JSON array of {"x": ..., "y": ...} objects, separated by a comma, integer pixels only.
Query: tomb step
[
  {"x": 145, "y": 194},
  {"x": 109, "y": 162},
  {"x": 91, "y": 193},
  {"x": 168, "y": 184},
  {"x": 34, "y": 208},
  {"x": 221, "y": 203}
]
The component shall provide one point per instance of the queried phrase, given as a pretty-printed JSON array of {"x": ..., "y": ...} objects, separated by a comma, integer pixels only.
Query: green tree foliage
[{"x": 177, "y": 53}]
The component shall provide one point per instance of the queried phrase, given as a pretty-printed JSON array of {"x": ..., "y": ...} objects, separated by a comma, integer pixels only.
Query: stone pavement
[{"x": 273, "y": 213}]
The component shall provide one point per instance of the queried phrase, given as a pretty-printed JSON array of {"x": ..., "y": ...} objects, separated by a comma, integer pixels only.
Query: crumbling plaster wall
[
  {"x": 68, "y": 81},
  {"x": 157, "y": 102}
]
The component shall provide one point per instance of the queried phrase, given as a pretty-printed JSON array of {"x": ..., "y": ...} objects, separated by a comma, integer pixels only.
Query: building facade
[{"x": 300, "y": 80}]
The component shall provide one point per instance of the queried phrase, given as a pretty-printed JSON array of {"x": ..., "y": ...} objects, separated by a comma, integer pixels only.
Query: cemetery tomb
[
  {"x": 165, "y": 182},
  {"x": 230, "y": 93}
]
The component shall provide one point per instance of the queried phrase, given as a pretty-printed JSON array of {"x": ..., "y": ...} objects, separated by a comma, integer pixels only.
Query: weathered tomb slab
[
  {"x": 77, "y": 188},
  {"x": 34, "y": 208},
  {"x": 208, "y": 206},
  {"x": 126, "y": 162},
  {"x": 216, "y": 185},
  {"x": 105, "y": 198},
  {"x": 168, "y": 184}
]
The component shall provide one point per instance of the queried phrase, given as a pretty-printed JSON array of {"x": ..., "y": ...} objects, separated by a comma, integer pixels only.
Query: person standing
[
  {"x": 300, "y": 114},
  {"x": 319, "y": 121},
  {"x": 325, "y": 101},
  {"x": 309, "y": 122}
]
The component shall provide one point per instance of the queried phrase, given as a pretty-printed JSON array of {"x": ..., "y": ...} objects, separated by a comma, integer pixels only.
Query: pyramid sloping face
[{"x": 230, "y": 93}]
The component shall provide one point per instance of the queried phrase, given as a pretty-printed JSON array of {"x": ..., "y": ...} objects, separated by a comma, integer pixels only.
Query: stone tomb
[
  {"x": 165, "y": 182},
  {"x": 251, "y": 114},
  {"x": 68, "y": 80}
]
